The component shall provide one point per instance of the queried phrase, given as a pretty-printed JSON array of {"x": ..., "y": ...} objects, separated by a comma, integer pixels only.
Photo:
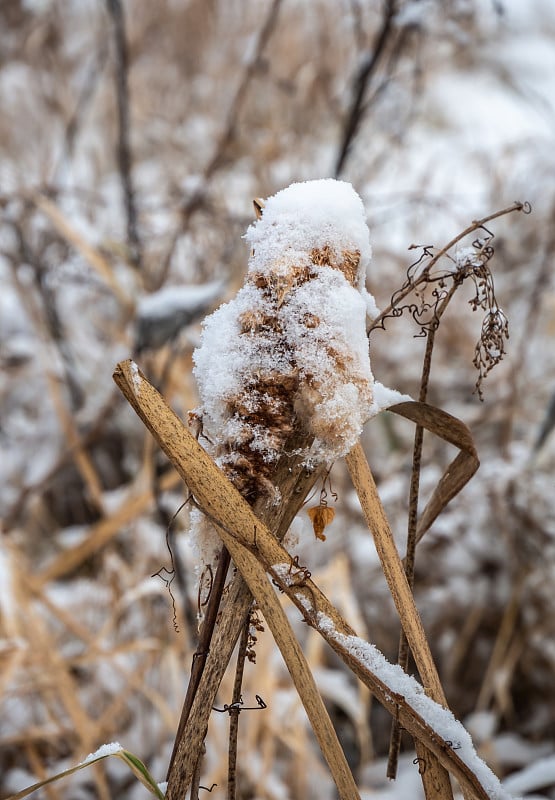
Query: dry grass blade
[
  {"x": 99, "y": 535},
  {"x": 246, "y": 537},
  {"x": 135, "y": 765},
  {"x": 392, "y": 566},
  {"x": 82, "y": 460},
  {"x": 89, "y": 253},
  {"x": 459, "y": 471},
  {"x": 270, "y": 606},
  {"x": 295, "y": 483},
  {"x": 457, "y": 474},
  {"x": 435, "y": 778}
]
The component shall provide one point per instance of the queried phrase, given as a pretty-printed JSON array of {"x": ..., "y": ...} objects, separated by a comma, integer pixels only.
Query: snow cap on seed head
[{"x": 307, "y": 216}]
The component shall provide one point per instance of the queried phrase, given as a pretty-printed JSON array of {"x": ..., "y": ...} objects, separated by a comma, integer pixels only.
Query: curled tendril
[
  {"x": 421, "y": 763},
  {"x": 418, "y": 277},
  {"x": 525, "y": 207},
  {"x": 239, "y": 706},
  {"x": 432, "y": 281}
]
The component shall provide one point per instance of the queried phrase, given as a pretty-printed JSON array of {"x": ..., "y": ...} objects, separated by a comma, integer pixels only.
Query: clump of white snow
[
  {"x": 533, "y": 777},
  {"x": 305, "y": 216},
  {"x": 163, "y": 314},
  {"x": 103, "y": 751},
  {"x": 135, "y": 375}
]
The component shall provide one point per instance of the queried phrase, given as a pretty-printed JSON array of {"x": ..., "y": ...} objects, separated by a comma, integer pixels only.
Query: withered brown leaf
[{"x": 320, "y": 516}]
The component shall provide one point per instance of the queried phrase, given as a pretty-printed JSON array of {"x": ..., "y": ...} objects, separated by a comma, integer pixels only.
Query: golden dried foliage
[{"x": 320, "y": 516}]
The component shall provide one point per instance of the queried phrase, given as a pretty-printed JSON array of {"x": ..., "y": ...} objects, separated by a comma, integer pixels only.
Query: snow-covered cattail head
[
  {"x": 289, "y": 353},
  {"x": 317, "y": 222}
]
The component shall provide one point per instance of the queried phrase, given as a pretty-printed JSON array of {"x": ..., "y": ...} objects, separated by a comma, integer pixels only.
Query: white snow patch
[
  {"x": 372, "y": 310},
  {"x": 8, "y": 602},
  {"x": 307, "y": 215},
  {"x": 137, "y": 381},
  {"x": 414, "y": 13},
  {"x": 103, "y": 751},
  {"x": 468, "y": 257},
  {"x": 440, "y": 719},
  {"x": 174, "y": 299},
  {"x": 481, "y": 725},
  {"x": 535, "y": 776},
  {"x": 286, "y": 574},
  {"x": 203, "y": 540},
  {"x": 384, "y": 398}
]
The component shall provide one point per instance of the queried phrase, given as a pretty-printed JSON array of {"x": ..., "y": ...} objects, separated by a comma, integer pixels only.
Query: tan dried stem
[{"x": 256, "y": 551}]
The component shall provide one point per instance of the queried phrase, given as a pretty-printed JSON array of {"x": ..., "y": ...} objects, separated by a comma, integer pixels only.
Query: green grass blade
[{"x": 135, "y": 765}]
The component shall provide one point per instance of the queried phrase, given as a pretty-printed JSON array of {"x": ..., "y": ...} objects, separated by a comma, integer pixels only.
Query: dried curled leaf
[{"x": 320, "y": 516}]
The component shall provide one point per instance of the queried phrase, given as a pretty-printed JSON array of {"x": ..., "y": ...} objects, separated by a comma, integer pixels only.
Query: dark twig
[
  {"x": 115, "y": 10},
  {"x": 411, "y": 285},
  {"x": 197, "y": 199},
  {"x": 48, "y": 313},
  {"x": 414, "y": 490},
  {"x": 84, "y": 99},
  {"x": 366, "y": 70},
  {"x": 205, "y": 638},
  {"x": 234, "y": 714},
  {"x": 404, "y": 650},
  {"x": 86, "y": 440},
  {"x": 176, "y": 571},
  {"x": 251, "y": 68}
]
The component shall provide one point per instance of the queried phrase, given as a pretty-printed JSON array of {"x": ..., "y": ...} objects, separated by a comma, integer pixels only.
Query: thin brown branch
[
  {"x": 92, "y": 256},
  {"x": 203, "y": 647},
  {"x": 226, "y": 136},
  {"x": 410, "y": 556},
  {"x": 363, "y": 77},
  {"x": 234, "y": 715},
  {"x": 474, "y": 226},
  {"x": 84, "y": 99},
  {"x": 239, "y": 98},
  {"x": 124, "y": 155}
]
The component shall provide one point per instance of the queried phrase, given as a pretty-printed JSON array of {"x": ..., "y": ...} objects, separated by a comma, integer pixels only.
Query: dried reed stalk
[
  {"x": 255, "y": 551},
  {"x": 233, "y": 618},
  {"x": 435, "y": 777}
]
